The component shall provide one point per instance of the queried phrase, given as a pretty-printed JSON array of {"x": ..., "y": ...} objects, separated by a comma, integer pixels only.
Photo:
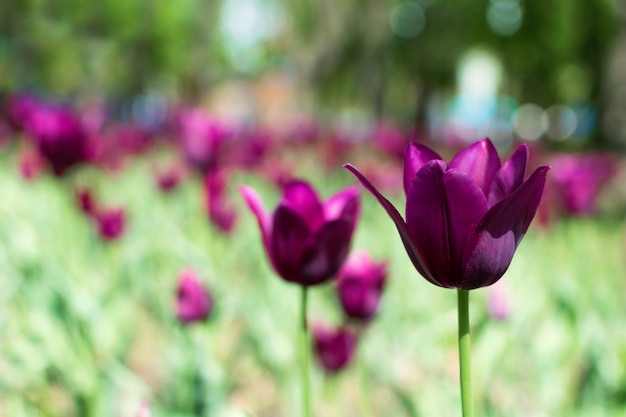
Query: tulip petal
[
  {"x": 331, "y": 250},
  {"x": 291, "y": 243},
  {"x": 415, "y": 157},
  {"x": 344, "y": 204},
  {"x": 443, "y": 208},
  {"x": 510, "y": 176},
  {"x": 302, "y": 198},
  {"x": 493, "y": 244},
  {"x": 480, "y": 161},
  {"x": 263, "y": 217},
  {"x": 398, "y": 221}
]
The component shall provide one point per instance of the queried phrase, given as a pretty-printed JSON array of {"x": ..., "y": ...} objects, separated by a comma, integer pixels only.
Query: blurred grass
[{"x": 88, "y": 328}]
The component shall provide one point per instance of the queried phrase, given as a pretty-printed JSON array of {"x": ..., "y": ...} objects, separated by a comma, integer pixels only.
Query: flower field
[{"x": 89, "y": 328}]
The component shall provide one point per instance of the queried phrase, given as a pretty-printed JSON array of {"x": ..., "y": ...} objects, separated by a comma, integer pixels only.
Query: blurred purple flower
[
  {"x": 360, "y": 284},
  {"x": 302, "y": 132},
  {"x": 59, "y": 136},
  {"x": 390, "y": 139},
  {"x": 333, "y": 349},
  {"x": 498, "y": 301},
  {"x": 578, "y": 180},
  {"x": 221, "y": 213},
  {"x": 306, "y": 240},
  {"x": 253, "y": 146},
  {"x": 465, "y": 219},
  {"x": 193, "y": 300},
  {"x": 202, "y": 138},
  {"x": 167, "y": 180},
  {"x": 110, "y": 222},
  {"x": 130, "y": 139},
  {"x": 86, "y": 201},
  {"x": 19, "y": 109}
]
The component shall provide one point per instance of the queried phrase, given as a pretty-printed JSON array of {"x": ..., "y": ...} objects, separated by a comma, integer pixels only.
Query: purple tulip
[
  {"x": 578, "y": 180},
  {"x": 110, "y": 222},
  {"x": 306, "y": 240},
  {"x": 334, "y": 349},
  {"x": 193, "y": 300},
  {"x": 202, "y": 138},
  {"x": 167, "y": 180},
  {"x": 221, "y": 213},
  {"x": 59, "y": 136},
  {"x": 465, "y": 219},
  {"x": 86, "y": 201},
  {"x": 389, "y": 139},
  {"x": 360, "y": 285}
]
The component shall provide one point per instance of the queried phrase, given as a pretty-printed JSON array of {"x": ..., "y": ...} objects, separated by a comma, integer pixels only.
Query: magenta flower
[
  {"x": 389, "y": 139},
  {"x": 465, "y": 219},
  {"x": 19, "y": 109},
  {"x": 59, "y": 136},
  {"x": 86, "y": 201},
  {"x": 221, "y": 213},
  {"x": 334, "y": 349},
  {"x": 110, "y": 222},
  {"x": 193, "y": 300},
  {"x": 167, "y": 180},
  {"x": 306, "y": 240},
  {"x": 202, "y": 138},
  {"x": 360, "y": 284},
  {"x": 578, "y": 180}
]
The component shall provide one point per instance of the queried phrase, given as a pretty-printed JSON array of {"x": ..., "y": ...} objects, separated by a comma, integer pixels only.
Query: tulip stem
[
  {"x": 305, "y": 356},
  {"x": 464, "y": 353}
]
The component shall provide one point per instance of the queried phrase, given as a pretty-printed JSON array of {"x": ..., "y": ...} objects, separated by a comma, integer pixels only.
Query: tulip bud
[
  {"x": 110, "y": 222},
  {"x": 333, "y": 349},
  {"x": 360, "y": 284},
  {"x": 193, "y": 300}
]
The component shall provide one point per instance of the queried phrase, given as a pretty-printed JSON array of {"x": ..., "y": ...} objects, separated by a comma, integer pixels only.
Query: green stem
[
  {"x": 464, "y": 353},
  {"x": 305, "y": 359}
]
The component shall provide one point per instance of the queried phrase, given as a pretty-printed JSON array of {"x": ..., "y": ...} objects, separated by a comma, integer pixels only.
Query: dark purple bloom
[
  {"x": 465, "y": 219},
  {"x": 306, "y": 240},
  {"x": 193, "y": 300},
  {"x": 110, "y": 222},
  {"x": 360, "y": 284},
  {"x": 59, "y": 136},
  {"x": 334, "y": 349}
]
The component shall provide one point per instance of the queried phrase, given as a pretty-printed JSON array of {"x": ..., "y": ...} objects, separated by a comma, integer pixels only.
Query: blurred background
[
  {"x": 127, "y": 126},
  {"x": 551, "y": 70}
]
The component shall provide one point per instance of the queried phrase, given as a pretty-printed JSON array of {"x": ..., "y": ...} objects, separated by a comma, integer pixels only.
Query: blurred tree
[
  {"x": 391, "y": 52},
  {"x": 386, "y": 55},
  {"x": 112, "y": 47}
]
